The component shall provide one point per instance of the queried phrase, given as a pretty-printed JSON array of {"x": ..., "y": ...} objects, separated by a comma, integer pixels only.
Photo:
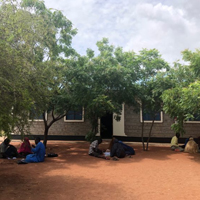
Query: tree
[
  {"x": 148, "y": 95},
  {"x": 34, "y": 40},
  {"x": 179, "y": 78},
  {"x": 182, "y": 100},
  {"x": 55, "y": 96},
  {"x": 102, "y": 83},
  {"x": 18, "y": 40}
]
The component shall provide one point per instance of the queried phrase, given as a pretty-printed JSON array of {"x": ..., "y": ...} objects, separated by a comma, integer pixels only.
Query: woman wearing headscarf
[{"x": 25, "y": 147}]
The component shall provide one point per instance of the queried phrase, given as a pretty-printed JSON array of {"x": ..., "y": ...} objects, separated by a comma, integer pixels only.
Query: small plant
[{"x": 90, "y": 136}]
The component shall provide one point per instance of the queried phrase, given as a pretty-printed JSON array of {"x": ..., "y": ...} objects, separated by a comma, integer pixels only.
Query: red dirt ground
[{"x": 159, "y": 174}]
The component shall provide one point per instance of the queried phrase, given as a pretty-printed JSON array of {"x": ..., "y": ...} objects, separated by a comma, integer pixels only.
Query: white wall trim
[
  {"x": 82, "y": 120},
  {"x": 118, "y": 126},
  {"x": 150, "y": 121}
]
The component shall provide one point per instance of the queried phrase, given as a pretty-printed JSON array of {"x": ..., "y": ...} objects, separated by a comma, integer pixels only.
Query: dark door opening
[{"x": 107, "y": 126}]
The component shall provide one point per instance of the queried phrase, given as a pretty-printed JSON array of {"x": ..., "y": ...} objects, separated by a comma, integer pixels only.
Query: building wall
[
  {"x": 61, "y": 128},
  {"x": 133, "y": 126}
]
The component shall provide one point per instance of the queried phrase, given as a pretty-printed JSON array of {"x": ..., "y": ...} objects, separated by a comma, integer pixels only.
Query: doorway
[{"x": 107, "y": 126}]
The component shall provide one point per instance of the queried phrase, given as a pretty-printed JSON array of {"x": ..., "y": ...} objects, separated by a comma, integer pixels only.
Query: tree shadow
[
  {"x": 77, "y": 153},
  {"x": 58, "y": 187},
  {"x": 75, "y": 175},
  {"x": 71, "y": 153}
]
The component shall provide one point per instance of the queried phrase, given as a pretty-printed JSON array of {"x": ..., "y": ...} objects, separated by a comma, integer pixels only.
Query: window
[
  {"x": 196, "y": 119},
  {"x": 75, "y": 116},
  {"x": 147, "y": 117},
  {"x": 35, "y": 116}
]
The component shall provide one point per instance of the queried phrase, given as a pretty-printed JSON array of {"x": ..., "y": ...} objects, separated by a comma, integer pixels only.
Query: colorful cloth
[
  {"x": 39, "y": 154},
  {"x": 25, "y": 147}
]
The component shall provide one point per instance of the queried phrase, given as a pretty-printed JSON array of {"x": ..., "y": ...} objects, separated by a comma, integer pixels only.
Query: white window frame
[
  {"x": 82, "y": 120},
  {"x": 150, "y": 121},
  {"x": 192, "y": 122}
]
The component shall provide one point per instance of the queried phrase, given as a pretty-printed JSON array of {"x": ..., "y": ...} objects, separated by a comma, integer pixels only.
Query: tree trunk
[
  {"x": 142, "y": 136},
  {"x": 45, "y": 136},
  {"x": 150, "y": 131},
  {"x": 47, "y": 126}
]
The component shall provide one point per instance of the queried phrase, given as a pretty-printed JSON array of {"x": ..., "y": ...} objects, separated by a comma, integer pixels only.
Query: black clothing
[
  {"x": 117, "y": 150},
  {"x": 11, "y": 152}
]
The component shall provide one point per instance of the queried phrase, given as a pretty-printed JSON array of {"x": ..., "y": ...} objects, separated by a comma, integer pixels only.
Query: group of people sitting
[
  {"x": 117, "y": 149},
  {"x": 190, "y": 145},
  {"x": 34, "y": 153}
]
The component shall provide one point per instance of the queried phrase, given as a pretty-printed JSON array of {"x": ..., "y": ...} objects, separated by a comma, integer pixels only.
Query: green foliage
[
  {"x": 39, "y": 67},
  {"x": 104, "y": 82},
  {"x": 148, "y": 86},
  {"x": 90, "y": 136},
  {"x": 34, "y": 41},
  {"x": 177, "y": 104},
  {"x": 194, "y": 60}
]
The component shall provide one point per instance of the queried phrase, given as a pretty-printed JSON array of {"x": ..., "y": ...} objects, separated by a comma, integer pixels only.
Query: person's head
[
  {"x": 26, "y": 139},
  {"x": 191, "y": 138},
  {"x": 99, "y": 141},
  {"x": 37, "y": 140},
  {"x": 7, "y": 141},
  {"x": 178, "y": 135}
]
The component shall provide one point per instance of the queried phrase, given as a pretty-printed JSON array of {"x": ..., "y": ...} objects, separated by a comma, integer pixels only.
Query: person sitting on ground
[
  {"x": 129, "y": 150},
  {"x": 7, "y": 150},
  {"x": 95, "y": 151},
  {"x": 198, "y": 142},
  {"x": 174, "y": 143},
  {"x": 38, "y": 152},
  {"x": 186, "y": 141},
  {"x": 3, "y": 147},
  {"x": 25, "y": 148},
  {"x": 117, "y": 149},
  {"x": 191, "y": 146}
]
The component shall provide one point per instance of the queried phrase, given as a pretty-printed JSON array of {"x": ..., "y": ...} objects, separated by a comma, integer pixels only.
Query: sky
[{"x": 170, "y": 26}]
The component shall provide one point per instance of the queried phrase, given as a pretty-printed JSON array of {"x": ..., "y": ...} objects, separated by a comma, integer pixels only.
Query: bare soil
[{"x": 158, "y": 174}]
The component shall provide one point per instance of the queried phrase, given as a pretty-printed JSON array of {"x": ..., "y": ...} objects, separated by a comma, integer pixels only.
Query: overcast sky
[{"x": 167, "y": 25}]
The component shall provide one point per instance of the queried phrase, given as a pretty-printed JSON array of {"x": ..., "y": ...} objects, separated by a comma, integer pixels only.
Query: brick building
[{"x": 129, "y": 127}]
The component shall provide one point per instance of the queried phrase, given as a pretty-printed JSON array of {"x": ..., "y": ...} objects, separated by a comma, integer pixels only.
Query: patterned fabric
[{"x": 93, "y": 147}]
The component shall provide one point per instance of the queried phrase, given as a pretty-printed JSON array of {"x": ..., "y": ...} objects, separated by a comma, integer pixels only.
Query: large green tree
[
  {"x": 178, "y": 78},
  {"x": 34, "y": 41},
  {"x": 103, "y": 82},
  {"x": 181, "y": 101},
  {"x": 148, "y": 95}
]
